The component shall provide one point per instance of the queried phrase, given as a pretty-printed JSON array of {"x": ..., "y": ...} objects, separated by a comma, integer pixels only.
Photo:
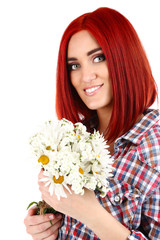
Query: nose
[{"x": 88, "y": 74}]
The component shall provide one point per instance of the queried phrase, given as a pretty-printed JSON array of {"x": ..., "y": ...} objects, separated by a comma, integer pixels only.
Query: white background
[{"x": 30, "y": 32}]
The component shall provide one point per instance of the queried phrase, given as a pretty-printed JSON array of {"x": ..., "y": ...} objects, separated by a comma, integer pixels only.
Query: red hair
[{"x": 134, "y": 88}]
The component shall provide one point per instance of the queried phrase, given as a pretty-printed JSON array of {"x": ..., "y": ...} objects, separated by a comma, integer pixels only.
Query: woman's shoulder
[
  {"x": 144, "y": 138},
  {"x": 149, "y": 144},
  {"x": 149, "y": 128}
]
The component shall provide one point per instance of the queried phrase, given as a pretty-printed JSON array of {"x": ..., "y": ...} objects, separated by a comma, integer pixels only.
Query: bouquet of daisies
[{"x": 69, "y": 155}]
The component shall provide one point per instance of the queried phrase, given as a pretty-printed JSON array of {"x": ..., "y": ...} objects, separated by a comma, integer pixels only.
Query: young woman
[{"x": 104, "y": 80}]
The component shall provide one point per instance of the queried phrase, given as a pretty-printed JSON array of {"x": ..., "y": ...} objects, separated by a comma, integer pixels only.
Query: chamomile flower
[{"x": 72, "y": 156}]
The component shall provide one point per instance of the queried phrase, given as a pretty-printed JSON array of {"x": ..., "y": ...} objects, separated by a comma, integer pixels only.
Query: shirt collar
[{"x": 136, "y": 133}]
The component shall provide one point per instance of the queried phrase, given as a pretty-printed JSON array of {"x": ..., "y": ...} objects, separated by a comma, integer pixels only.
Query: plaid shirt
[{"x": 134, "y": 195}]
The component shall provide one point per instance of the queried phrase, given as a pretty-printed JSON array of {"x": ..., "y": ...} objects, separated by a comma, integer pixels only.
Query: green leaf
[
  {"x": 51, "y": 223},
  {"x": 32, "y": 204},
  {"x": 45, "y": 211}
]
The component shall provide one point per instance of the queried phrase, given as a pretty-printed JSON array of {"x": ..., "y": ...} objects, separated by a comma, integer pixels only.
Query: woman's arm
[{"x": 104, "y": 225}]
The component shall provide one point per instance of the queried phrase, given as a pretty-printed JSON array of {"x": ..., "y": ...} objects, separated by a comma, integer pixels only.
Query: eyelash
[
  {"x": 100, "y": 56},
  {"x": 70, "y": 66}
]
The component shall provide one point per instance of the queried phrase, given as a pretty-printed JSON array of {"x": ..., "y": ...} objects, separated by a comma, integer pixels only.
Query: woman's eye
[
  {"x": 73, "y": 67},
  {"x": 99, "y": 58}
]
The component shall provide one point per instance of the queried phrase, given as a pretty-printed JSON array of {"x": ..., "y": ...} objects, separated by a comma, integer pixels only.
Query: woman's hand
[
  {"x": 39, "y": 226},
  {"x": 87, "y": 210},
  {"x": 75, "y": 205}
]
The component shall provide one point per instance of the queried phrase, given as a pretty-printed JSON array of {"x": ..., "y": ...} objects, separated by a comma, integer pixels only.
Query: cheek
[
  {"x": 110, "y": 88},
  {"x": 74, "y": 80},
  {"x": 108, "y": 91}
]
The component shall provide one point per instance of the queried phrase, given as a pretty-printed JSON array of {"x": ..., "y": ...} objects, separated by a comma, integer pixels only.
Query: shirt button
[{"x": 117, "y": 198}]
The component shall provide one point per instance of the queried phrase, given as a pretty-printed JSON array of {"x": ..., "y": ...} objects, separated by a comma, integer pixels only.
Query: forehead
[{"x": 82, "y": 41}]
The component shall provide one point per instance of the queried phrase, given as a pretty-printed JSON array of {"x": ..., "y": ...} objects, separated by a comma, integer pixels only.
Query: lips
[{"x": 92, "y": 90}]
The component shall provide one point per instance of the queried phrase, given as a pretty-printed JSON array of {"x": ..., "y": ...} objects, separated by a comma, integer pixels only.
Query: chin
[
  {"x": 93, "y": 107},
  {"x": 99, "y": 106}
]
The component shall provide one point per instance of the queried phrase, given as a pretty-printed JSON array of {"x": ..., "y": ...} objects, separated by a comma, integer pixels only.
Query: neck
[{"x": 104, "y": 115}]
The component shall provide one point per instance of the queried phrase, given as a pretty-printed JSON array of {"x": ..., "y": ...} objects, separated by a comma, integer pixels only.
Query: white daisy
[{"x": 72, "y": 156}]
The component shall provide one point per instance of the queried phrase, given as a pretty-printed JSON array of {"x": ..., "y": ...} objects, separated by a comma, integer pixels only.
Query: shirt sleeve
[
  {"x": 150, "y": 221},
  {"x": 136, "y": 235}
]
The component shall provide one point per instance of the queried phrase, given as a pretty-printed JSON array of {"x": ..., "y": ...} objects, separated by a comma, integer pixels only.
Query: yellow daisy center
[
  {"x": 59, "y": 180},
  {"x": 81, "y": 170},
  {"x": 79, "y": 137},
  {"x": 44, "y": 159},
  {"x": 48, "y": 148}
]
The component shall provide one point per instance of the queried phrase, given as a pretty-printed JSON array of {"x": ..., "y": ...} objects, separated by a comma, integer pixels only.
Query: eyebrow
[
  {"x": 88, "y": 54},
  {"x": 93, "y": 51}
]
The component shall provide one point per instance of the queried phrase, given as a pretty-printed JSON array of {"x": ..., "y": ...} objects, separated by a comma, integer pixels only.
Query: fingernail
[{"x": 51, "y": 217}]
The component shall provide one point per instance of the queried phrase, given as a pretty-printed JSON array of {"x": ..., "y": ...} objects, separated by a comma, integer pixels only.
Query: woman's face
[{"x": 88, "y": 71}]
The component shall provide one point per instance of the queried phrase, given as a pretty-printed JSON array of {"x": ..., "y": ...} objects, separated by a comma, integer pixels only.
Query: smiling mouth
[{"x": 92, "y": 90}]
